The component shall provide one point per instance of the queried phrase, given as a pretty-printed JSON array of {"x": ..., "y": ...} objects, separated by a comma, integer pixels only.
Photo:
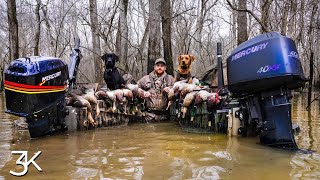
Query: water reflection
[
  {"x": 5, "y": 135},
  {"x": 163, "y": 151},
  {"x": 306, "y": 165}
]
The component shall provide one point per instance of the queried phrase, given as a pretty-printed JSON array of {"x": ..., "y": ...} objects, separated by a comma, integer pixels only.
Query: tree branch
[
  {"x": 251, "y": 13},
  {"x": 176, "y": 15}
]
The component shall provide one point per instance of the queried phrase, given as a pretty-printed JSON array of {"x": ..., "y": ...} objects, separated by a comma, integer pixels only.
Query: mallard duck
[
  {"x": 119, "y": 94},
  {"x": 113, "y": 98},
  {"x": 201, "y": 97},
  {"x": 79, "y": 101},
  {"x": 170, "y": 98},
  {"x": 187, "y": 102},
  {"x": 93, "y": 100},
  {"x": 187, "y": 88},
  {"x": 212, "y": 99},
  {"x": 101, "y": 95}
]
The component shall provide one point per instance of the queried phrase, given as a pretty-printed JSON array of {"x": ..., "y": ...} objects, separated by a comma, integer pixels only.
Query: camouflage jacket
[{"x": 153, "y": 84}]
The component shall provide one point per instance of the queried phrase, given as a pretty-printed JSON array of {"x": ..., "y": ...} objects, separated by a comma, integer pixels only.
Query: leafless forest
[{"x": 139, "y": 31}]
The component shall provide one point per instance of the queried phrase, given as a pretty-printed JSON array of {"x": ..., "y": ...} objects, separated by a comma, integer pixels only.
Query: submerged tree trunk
[
  {"x": 166, "y": 34},
  {"x": 96, "y": 41},
  {"x": 154, "y": 33},
  {"x": 311, "y": 47},
  {"x": 13, "y": 29},
  {"x": 311, "y": 77}
]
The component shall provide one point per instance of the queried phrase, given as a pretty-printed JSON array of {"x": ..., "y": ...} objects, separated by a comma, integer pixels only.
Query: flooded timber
[{"x": 162, "y": 151}]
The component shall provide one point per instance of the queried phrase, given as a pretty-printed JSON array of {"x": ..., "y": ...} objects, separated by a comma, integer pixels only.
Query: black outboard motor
[
  {"x": 35, "y": 88},
  {"x": 261, "y": 74}
]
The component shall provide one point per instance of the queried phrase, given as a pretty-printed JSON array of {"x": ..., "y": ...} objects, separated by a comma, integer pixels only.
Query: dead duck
[
  {"x": 128, "y": 95},
  {"x": 188, "y": 88},
  {"x": 101, "y": 95},
  {"x": 109, "y": 98},
  {"x": 119, "y": 94},
  {"x": 113, "y": 98},
  {"x": 177, "y": 88},
  {"x": 201, "y": 96},
  {"x": 179, "y": 85},
  {"x": 187, "y": 102},
  {"x": 79, "y": 101},
  {"x": 174, "y": 92},
  {"x": 171, "y": 98},
  {"x": 132, "y": 87},
  {"x": 212, "y": 99},
  {"x": 90, "y": 96}
]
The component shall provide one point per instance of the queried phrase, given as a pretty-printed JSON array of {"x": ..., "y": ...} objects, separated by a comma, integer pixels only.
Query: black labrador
[{"x": 112, "y": 76}]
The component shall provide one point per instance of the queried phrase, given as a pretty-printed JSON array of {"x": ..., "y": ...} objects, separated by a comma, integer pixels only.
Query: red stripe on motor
[{"x": 31, "y": 86}]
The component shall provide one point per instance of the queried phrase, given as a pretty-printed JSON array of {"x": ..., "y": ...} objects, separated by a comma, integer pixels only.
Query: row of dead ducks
[{"x": 186, "y": 93}]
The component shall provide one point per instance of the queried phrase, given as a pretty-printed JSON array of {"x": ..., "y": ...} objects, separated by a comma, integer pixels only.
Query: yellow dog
[{"x": 184, "y": 68}]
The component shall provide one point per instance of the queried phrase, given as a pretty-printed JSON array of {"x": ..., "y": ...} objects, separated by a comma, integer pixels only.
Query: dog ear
[
  {"x": 192, "y": 57},
  {"x": 179, "y": 58},
  {"x": 103, "y": 57},
  {"x": 116, "y": 57}
]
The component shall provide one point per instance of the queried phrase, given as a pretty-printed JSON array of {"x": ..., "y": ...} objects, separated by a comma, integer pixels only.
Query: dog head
[
  {"x": 110, "y": 59},
  {"x": 185, "y": 61}
]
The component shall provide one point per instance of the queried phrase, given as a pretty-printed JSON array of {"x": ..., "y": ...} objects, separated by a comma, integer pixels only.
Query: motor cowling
[
  {"x": 264, "y": 62},
  {"x": 35, "y": 88}
]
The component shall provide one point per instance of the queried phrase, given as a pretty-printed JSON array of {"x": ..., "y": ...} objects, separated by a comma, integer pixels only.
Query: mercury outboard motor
[
  {"x": 35, "y": 88},
  {"x": 261, "y": 74}
]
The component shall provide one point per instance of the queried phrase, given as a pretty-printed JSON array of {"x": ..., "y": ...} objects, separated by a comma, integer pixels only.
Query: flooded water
[{"x": 162, "y": 151}]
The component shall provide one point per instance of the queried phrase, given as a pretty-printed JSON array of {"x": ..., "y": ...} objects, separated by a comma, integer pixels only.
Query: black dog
[{"x": 112, "y": 76}]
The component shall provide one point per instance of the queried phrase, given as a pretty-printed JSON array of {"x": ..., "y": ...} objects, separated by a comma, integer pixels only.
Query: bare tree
[
  {"x": 242, "y": 22},
  {"x": 95, "y": 41},
  {"x": 49, "y": 35},
  {"x": 285, "y": 19},
  {"x": 154, "y": 33},
  {"x": 122, "y": 36},
  {"x": 166, "y": 33},
  {"x": 133, "y": 29},
  {"x": 38, "y": 29},
  {"x": 311, "y": 42},
  {"x": 140, "y": 52},
  {"x": 233, "y": 25},
  {"x": 263, "y": 23},
  {"x": 13, "y": 29},
  {"x": 265, "y": 8}
]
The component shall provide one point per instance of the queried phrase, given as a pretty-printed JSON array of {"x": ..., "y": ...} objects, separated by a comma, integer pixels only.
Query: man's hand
[
  {"x": 166, "y": 89},
  {"x": 146, "y": 94}
]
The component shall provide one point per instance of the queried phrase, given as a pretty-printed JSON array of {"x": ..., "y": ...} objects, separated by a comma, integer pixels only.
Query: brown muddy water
[{"x": 161, "y": 151}]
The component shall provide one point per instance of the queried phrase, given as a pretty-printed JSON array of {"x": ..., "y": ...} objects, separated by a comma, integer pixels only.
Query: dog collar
[
  {"x": 109, "y": 70},
  {"x": 184, "y": 73}
]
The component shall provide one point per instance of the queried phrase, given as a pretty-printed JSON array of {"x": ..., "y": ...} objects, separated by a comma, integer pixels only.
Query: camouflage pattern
[
  {"x": 158, "y": 100},
  {"x": 151, "y": 117}
]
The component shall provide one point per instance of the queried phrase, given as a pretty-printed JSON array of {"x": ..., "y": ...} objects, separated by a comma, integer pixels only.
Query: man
[{"x": 156, "y": 84}]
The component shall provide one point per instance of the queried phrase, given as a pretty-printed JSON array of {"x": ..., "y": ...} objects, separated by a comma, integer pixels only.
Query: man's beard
[{"x": 159, "y": 73}]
